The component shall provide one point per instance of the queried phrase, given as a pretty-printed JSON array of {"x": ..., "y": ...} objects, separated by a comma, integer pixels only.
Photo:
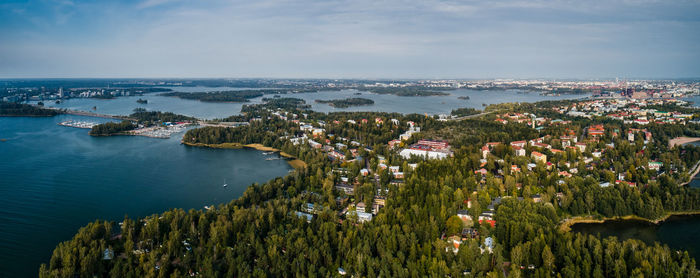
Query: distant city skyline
[{"x": 362, "y": 39}]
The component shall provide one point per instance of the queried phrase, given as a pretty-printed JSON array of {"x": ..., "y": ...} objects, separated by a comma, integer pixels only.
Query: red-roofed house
[{"x": 520, "y": 144}]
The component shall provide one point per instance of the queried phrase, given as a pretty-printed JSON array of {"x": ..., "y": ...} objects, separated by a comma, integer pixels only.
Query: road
[
  {"x": 89, "y": 114},
  {"x": 470, "y": 116}
]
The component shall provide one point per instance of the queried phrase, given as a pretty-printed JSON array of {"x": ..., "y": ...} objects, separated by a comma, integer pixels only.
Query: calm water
[
  {"x": 429, "y": 104},
  {"x": 126, "y": 105},
  {"x": 54, "y": 179},
  {"x": 385, "y": 103},
  {"x": 694, "y": 99},
  {"x": 678, "y": 232}
]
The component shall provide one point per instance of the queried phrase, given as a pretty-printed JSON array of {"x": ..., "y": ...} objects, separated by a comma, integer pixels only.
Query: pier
[
  {"x": 78, "y": 124},
  {"x": 89, "y": 114},
  {"x": 92, "y": 114}
]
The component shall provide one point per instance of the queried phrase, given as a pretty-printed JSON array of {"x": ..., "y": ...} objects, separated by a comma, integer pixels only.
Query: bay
[
  {"x": 54, "y": 180},
  {"x": 678, "y": 232},
  {"x": 431, "y": 105}
]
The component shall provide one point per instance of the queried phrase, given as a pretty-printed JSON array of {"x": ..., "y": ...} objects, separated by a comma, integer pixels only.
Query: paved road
[
  {"x": 471, "y": 116},
  {"x": 90, "y": 114}
]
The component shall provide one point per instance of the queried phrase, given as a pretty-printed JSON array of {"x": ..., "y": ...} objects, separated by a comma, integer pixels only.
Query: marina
[
  {"x": 162, "y": 132},
  {"x": 78, "y": 124}
]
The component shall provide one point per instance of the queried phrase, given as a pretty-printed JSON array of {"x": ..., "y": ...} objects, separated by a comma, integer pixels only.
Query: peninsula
[
  {"x": 477, "y": 194},
  {"x": 145, "y": 123}
]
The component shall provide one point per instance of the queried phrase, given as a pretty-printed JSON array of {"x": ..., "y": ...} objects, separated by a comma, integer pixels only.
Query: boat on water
[
  {"x": 78, "y": 124},
  {"x": 225, "y": 184}
]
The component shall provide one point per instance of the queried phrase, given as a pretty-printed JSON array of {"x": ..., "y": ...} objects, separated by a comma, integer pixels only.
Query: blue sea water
[
  {"x": 430, "y": 105},
  {"x": 55, "y": 179}
]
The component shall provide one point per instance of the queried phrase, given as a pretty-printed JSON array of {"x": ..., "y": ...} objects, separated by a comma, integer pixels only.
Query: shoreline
[
  {"x": 679, "y": 141},
  {"x": 693, "y": 173},
  {"x": 293, "y": 161},
  {"x": 565, "y": 225},
  {"x": 31, "y": 116}
]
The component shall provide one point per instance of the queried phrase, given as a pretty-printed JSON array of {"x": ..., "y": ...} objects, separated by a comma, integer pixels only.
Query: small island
[
  {"x": 221, "y": 96},
  {"x": 142, "y": 101},
  {"x": 279, "y": 103},
  {"x": 232, "y": 96},
  {"x": 345, "y": 103},
  {"x": 407, "y": 91}
]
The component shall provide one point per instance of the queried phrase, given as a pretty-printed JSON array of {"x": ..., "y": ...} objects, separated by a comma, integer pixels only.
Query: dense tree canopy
[
  {"x": 20, "y": 109},
  {"x": 262, "y": 233}
]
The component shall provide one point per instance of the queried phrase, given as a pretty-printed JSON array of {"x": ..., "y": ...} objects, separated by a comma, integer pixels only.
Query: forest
[
  {"x": 152, "y": 117},
  {"x": 345, "y": 103},
  {"x": 111, "y": 128},
  {"x": 260, "y": 234},
  {"x": 460, "y": 112},
  {"x": 21, "y": 109},
  {"x": 285, "y": 103}
]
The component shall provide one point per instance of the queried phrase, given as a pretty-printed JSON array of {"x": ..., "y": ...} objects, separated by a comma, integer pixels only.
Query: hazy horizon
[
  {"x": 393, "y": 39},
  {"x": 362, "y": 79}
]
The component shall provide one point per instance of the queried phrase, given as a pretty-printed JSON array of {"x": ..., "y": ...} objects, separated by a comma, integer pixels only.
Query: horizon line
[{"x": 361, "y": 78}]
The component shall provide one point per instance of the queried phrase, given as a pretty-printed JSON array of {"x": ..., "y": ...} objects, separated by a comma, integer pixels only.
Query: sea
[
  {"x": 55, "y": 179},
  {"x": 431, "y": 105}
]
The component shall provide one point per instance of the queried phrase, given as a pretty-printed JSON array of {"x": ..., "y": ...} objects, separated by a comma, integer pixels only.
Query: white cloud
[
  {"x": 361, "y": 38},
  {"x": 152, "y": 3}
]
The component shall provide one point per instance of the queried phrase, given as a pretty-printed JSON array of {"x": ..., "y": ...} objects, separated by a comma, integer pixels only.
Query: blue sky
[{"x": 350, "y": 39}]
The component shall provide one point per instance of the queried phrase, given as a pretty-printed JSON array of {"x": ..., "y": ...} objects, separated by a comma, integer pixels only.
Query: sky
[{"x": 350, "y": 39}]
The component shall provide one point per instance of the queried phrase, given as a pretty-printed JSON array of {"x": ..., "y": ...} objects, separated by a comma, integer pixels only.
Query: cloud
[
  {"x": 360, "y": 38},
  {"x": 152, "y": 3}
]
